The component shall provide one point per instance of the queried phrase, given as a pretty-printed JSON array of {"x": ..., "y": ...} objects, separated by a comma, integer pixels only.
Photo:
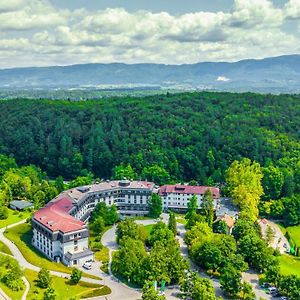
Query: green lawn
[
  {"x": 149, "y": 228},
  {"x": 103, "y": 256},
  {"x": 21, "y": 235},
  {"x": 13, "y": 217},
  {"x": 181, "y": 220},
  {"x": 64, "y": 289},
  {"x": 13, "y": 295},
  {"x": 4, "y": 248},
  {"x": 294, "y": 232},
  {"x": 289, "y": 264}
]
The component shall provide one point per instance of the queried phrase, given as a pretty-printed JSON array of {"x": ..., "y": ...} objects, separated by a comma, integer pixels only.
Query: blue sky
[
  {"x": 63, "y": 32},
  {"x": 171, "y": 6}
]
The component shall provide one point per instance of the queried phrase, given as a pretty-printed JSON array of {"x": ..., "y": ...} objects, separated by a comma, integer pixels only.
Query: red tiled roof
[
  {"x": 188, "y": 189},
  {"x": 55, "y": 216}
]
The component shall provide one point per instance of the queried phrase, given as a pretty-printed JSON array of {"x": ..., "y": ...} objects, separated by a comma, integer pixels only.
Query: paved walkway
[
  {"x": 3, "y": 296},
  {"x": 279, "y": 242},
  {"x": 27, "y": 287}
]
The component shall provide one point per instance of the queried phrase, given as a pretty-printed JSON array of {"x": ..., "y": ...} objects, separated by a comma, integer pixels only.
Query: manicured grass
[
  {"x": 289, "y": 264},
  {"x": 14, "y": 217},
  {"x": 21, "y": 235},
  {"x": 63, "y": 288},
  {"x": 294, "y": 232},
  {"x": 11, "y": 294},
  {"x": 141, "y": 218},
  {"x": 181, "y": 220},
  {"x": 149, "y": 228},
  {"x": 4, "y": 248},
  {"x": 103, "y": 256}
]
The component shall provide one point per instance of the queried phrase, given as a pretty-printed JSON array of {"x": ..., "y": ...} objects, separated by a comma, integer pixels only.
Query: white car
[{"x": 87, "y": 266}]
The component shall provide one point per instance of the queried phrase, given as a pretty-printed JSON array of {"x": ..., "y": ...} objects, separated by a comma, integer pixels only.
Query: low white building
[{"x": 176, "y": 197}]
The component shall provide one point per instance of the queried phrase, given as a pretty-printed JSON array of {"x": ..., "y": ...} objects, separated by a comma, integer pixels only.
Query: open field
[
  {"x": 14, "y": 217},
  {"x": 64, "y": 289},
  {"x": 289, "y": 264},
  {"x": 21, "y": 235}
]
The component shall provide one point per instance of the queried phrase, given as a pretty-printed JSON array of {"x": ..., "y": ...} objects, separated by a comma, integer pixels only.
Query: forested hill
[
  {"x": 273, "y": 74},
  {"x": 190, "y": 135}
]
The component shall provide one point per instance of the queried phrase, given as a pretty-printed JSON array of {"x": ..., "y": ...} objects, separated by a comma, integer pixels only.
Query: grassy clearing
[
  {"x": 4, "y": 248},
  {"x": 289, "y": 265},
  {"x": 21, "y": 235},
  {"x": 149, "y": 228},
  {"x": 63, "y": 288},
  {"x": 294, "y": 232},
  {"x": 14, "y": 216}
]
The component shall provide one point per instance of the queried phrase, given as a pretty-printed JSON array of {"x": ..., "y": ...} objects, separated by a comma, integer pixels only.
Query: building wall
[
  {"x": 75, "y": 246},
  {"x": 180, "y": 200}
]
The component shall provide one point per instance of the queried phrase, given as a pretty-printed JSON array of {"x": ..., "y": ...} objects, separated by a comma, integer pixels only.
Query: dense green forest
[{"x": 190, "y": 135}]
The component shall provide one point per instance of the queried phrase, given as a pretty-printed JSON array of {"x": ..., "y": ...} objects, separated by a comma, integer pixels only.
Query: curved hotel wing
[{"x": 59, "y": 229}]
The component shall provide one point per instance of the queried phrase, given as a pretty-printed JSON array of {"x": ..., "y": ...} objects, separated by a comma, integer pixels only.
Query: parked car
[
  {"x": 272, "y": 290},
  {"x": 265, "y": 285},
  {"x": 87, "y": 265}
]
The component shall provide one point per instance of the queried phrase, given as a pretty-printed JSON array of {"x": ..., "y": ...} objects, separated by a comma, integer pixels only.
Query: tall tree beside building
[
  {"x": 244, "y": 185},
  {"x": 155, "y": 206},
  {"x": 207, "y": 207},
  {"x": 191, "y": 207},
  {"x": 172, "y": 223}
]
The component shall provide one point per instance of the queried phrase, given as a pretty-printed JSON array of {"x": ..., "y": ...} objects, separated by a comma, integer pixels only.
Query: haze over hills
[{"x": 276, "y": 74}]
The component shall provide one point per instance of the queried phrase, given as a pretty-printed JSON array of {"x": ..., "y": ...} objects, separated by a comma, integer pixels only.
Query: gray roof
[
  {"x": 84, "y": 253},
  {"x": 21, "y": 204}
]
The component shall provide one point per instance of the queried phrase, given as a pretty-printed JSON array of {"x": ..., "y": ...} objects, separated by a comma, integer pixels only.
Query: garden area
[
  {"x": 14, "y": 216},
  {"x": 64, "y": 289}
]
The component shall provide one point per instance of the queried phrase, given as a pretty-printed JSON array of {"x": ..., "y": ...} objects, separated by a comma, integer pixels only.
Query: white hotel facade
[{"x": 60, "y": 231}]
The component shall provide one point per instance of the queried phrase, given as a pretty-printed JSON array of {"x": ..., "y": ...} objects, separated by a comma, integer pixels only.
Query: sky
[{"x": 64, "y": 32}]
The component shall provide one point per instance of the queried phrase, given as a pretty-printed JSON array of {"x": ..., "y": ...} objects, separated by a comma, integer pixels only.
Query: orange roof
[
  {"x": 228, "y": 220},
  {"x": 55, "y": 216}
]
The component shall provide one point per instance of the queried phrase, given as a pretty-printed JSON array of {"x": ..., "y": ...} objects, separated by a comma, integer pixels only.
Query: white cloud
[
  {"x": 292, "y": 9},
  {"x": 40, "y": 34},
  {"x": 223, "y": 78},
  {"x": 10, "y": 5}
]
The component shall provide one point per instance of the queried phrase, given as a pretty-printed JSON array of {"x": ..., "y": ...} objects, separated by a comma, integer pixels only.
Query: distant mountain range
[{"x": 276, "y": 74}]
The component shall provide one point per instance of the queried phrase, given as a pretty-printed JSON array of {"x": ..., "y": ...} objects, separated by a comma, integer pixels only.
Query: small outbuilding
[
  {"x": 20, "y": 205},
  {"x": 229, "y": 221}
]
